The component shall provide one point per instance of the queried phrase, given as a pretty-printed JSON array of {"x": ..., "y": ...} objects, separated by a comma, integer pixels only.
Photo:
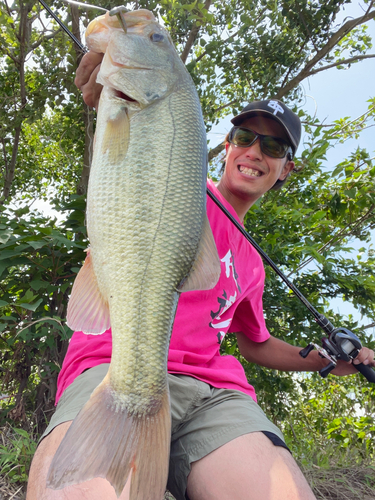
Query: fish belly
[{"x": 145, "y": 219}]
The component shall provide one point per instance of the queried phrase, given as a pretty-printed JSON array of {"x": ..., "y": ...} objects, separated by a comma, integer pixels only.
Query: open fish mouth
[{"x": 124, "y": 97}]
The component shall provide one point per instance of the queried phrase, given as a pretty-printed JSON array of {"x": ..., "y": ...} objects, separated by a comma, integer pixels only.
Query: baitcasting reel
[{"x": 341, "y": 344}]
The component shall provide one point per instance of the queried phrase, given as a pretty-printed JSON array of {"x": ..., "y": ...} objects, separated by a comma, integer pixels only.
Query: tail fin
[{"x": 104, "y": 441}]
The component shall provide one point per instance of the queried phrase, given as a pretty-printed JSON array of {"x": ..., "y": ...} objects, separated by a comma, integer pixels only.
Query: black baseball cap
[{"x": 277, "y": 110}]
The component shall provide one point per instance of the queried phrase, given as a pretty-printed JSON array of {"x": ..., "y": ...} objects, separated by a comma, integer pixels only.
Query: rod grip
[{"x": 366, "y": 371}]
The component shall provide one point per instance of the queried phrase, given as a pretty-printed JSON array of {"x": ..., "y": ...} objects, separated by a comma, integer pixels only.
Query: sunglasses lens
[
  {"x": 274, "y": 147},
  {"x": 242, "y": 137},
  {"x": 271, "y": 146}
]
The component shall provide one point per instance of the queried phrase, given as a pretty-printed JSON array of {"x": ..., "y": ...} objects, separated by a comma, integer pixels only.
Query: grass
[{"x": 342, "y": 483}]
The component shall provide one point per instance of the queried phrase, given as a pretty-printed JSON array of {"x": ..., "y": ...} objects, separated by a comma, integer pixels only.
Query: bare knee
[
  {"x": 94, "y": 489},
  {"x": 249, "y": 467},
  {"x": 36, "y": 489}
]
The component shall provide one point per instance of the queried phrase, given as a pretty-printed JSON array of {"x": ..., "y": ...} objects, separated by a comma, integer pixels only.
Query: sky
[{"x": 333, "y": 94}]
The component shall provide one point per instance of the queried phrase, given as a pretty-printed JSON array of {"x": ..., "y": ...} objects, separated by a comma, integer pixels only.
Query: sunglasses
[{"x": 274, "y": 147}]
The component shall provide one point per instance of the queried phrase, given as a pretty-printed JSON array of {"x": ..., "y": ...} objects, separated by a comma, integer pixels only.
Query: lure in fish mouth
[{"x": 150, "y": 240}]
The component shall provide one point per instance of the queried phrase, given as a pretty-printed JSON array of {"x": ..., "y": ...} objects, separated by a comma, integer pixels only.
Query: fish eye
[{"x": 156, "y": 37}]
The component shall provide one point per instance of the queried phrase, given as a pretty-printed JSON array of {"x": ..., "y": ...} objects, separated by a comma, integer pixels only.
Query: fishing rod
[
  {"x": 62, "y": 25},
  {"x": 341, "y": 344}
]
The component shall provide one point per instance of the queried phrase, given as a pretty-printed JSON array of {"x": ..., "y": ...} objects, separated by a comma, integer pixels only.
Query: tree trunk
[
  {"x": 88, "y": 114},
  {"x": 24, "y": 35},
  {"x": 88, "y": 118}
]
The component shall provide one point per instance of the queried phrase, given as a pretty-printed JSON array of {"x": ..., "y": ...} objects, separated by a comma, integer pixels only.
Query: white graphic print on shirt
[{"x": 225, "y": 301}]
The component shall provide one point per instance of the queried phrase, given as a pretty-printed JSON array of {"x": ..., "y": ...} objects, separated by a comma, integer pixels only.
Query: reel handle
[{"x": 366, "y": 371}]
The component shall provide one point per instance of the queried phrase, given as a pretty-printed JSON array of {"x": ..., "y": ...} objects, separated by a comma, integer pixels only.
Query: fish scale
[{"x": 150, "y": 240}]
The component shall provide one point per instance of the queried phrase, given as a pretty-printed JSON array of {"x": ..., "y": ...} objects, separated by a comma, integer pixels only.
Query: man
[{"x": 223, "y": 446}]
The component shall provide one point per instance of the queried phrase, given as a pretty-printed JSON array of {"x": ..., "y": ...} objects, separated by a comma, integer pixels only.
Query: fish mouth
[{"x": 124, "y": 97}]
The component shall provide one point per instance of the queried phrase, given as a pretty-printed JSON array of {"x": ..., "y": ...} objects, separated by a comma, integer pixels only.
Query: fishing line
[{"x": 86, "y": 5}]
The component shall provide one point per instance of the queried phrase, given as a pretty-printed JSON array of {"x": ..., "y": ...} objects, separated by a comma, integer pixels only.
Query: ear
[
  {"x": 288, "y": 167},
  {"x": 227, "y": 144}
]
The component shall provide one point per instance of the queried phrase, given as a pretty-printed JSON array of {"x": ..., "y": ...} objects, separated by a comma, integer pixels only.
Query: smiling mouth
[{"x": 249, "y": 171}]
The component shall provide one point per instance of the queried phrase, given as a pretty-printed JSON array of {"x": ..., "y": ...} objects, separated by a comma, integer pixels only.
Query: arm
[{"x": 279, "y": 355}]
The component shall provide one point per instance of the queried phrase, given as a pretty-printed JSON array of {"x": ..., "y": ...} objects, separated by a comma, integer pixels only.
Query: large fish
[{"x": 149, "y": 240}]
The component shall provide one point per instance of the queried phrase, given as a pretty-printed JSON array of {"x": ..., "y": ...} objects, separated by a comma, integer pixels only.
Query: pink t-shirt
[{"x": 202, "y": 318}]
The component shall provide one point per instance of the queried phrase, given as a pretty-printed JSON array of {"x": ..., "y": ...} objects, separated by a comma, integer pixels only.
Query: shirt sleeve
[{"x": 249, "y": 317}]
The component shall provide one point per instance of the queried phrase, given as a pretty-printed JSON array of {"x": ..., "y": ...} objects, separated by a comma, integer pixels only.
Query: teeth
[{"x": 250, "y": 171}]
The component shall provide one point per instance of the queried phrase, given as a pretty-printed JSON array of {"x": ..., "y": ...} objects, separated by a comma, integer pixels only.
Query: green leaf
[
  {"x": 22, "y": 433},
  {"x": 37, "y": 244},
  {"x": 38, "y": 284},
  {"x": 5, "y": 236},
  {"x": 31, "y": 307}
]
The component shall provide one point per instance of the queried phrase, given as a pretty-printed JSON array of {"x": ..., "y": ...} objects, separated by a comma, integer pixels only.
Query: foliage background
[{"x": 235, "y": 52}]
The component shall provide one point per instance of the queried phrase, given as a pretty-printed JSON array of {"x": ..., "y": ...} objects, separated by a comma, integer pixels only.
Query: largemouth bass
[{"x": 149, "y": 240}]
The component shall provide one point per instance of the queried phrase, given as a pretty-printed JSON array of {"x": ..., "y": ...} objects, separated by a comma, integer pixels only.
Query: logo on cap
[{"x": 276, "y": 107}]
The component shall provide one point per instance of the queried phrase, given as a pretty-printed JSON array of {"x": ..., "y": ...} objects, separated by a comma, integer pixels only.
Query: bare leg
[
  {"x": 248, "y": 468},
  {"x": 95, "y": 489}
]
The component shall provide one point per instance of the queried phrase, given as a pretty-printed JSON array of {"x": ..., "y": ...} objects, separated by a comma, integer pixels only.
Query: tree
[{"x": 38, "y": 94}]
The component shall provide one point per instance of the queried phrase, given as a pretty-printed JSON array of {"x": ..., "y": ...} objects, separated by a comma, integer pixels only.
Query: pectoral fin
[
  {"x": 205, "y": 271},
  {"x": 87, "y": 310},
  {"x": 116, "y": 137}
]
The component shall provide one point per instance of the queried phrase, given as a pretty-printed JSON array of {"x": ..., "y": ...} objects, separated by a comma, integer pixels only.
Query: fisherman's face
[{"x": 249, "y": 173}]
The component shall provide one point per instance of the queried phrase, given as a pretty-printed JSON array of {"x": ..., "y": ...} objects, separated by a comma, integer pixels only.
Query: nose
[{"x": 254, "y": 152}]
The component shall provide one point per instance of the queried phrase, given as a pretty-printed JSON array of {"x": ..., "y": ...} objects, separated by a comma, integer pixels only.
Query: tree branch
[
  {"x": 337, "y": 237},
  {"x": 215, "y": 151},
  {"x": 44, "y": 38},
  {"x": 88, "y": 114},
  {"x": 8, "y": 9},
  {"x": 331, "y": 125},
  {"x": 192, "y": 36},
  {"x": 338, "y": 63},
  {"x": 226, "y": 105},
  {"x": 5, "y": 156},
  {"x": 291, "y": 67},
  {"x": 332, "y": 42},
  {"x": 9, "y": 175},
  {"x": 223, "y": 41},
  {"x": 10, "y": 55}
]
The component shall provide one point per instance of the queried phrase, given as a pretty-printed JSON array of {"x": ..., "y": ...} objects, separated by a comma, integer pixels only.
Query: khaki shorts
[{"x": 203, "y": 419}]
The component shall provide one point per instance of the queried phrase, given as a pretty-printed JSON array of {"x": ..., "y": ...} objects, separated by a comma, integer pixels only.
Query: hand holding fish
[{"x": 85, "y": 80}]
